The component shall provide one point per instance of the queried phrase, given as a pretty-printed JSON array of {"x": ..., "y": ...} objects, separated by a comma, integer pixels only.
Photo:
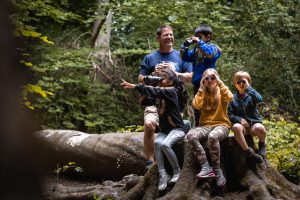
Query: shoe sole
[
  {"x": 206, "y": 176},
  {"x": 172, "y": 181},
  {"x": 160, "y": 190}
]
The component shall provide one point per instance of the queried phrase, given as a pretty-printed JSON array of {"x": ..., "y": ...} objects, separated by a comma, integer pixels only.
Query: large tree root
[
  {"x": 62, "y": 189},
  {"x": 245, "y": 180}
]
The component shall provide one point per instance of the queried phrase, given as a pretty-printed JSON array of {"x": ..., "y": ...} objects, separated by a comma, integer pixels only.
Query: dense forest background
[{"x": 75, "y": 52}]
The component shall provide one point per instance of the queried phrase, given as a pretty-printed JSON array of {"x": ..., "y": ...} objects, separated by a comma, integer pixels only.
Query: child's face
[
  {"x": 241, "y": 84},
  {"x": 210, "y": 79},
  {"x": 205, "y": 38},
  {"x": 166, "y": 82}
]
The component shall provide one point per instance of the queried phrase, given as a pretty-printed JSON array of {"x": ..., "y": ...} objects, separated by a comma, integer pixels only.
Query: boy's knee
[
  {"x": 237, "y": 128},
  {"x": 259, "y": 128}
]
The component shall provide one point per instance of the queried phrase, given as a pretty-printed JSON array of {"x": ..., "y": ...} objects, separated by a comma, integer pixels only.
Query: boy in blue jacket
[
  {"x": 204, "y": 55},
  {"x": 245, "y": 118}
]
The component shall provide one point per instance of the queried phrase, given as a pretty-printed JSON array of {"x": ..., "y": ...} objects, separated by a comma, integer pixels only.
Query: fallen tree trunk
[
  {"x": 105, "y": 156},
  {"x": 111, "y": 156}
]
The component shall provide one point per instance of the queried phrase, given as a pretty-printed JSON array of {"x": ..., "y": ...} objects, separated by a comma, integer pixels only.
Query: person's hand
[
  {"x": 195, "y": 39},
  {"x": 127, "y": 85},
  {"x": 245, "y": 123},
  {"x": 158, "y": 69},
  {"x": 203, "y": 83},
  {"x": 167, "y": 66},
  {"x": 246, "y": 83},
  {"x": 216, "y": 76}
]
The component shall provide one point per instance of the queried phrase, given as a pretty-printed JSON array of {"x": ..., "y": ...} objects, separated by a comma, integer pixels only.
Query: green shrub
[
  {"x": 81, "y": 100},
  {"x": 283, "y": 140}
]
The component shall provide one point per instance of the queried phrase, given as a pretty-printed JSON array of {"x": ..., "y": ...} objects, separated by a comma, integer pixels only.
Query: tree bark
[
  {"x": 99, "y": 23},
  {"x": 245, "y": 180},
  {"x": 105, "y": 156},
  {"x": 111, "y": 156}
]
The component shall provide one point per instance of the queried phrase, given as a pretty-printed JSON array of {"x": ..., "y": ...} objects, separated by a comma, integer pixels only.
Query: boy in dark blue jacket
[{"x": 245, "y": 118}]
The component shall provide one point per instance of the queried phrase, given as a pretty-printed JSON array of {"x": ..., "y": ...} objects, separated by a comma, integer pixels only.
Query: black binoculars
[{"x": 152, "y": 79}]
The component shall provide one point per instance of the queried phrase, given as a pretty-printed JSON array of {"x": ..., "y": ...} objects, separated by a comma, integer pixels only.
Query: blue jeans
[{"x": 163, "y": 145}]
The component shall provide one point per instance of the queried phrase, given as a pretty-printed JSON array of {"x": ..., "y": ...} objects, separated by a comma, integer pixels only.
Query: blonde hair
[
  {"x": 240, "y": 75},
  {"x": 211, "y": 99}
]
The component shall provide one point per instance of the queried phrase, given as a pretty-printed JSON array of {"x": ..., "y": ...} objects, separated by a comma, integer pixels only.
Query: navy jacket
[{"x": 245, "y": 108}]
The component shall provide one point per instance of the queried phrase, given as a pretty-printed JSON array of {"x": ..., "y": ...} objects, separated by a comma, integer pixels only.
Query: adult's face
[{"x": 166, "y": 38}]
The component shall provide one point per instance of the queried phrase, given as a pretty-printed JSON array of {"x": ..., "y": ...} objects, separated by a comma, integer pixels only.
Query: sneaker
[
  {"x": 205, "y": 172},
  {"x": 175, "y": 177},
  {"x": 163, "y": 182},
  {"x": 220, "y": 177},
  {"x": 253, "y": 156}
]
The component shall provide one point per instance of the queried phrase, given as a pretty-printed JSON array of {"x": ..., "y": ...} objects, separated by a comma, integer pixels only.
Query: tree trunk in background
[
  {"x": 103, "y": 38},
  {"x": 102, "y": 61},
  {"x": 100, "y": 22},
  {"x": 112, "y": 156}
]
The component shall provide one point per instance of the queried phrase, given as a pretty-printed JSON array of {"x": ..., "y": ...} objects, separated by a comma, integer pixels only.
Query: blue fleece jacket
[
  {"x": 203, "y": 56},
  {"x": 245, "y": 108}
]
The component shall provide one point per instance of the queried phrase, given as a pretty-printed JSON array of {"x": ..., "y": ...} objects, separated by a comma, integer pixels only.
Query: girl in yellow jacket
[{"x": 212, "y": 99}]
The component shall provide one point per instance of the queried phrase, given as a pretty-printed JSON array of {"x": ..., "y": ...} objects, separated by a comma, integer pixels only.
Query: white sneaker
[
  {"x": 175, "y": 177},
  {"x": 163, "y": 182}
]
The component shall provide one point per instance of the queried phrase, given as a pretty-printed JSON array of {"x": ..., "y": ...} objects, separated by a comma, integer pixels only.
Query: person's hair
[
  {"x": 241, "y": 75},
  {"x": 159, "y": 29},
  {"x": 211, "y": 99},
  {"x": 204, "y": 29},
  {"x": 179, "y": 85}
]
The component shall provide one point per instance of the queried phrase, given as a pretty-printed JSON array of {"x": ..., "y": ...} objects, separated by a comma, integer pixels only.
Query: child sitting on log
[
  {"x": 245, "y": 118},
  {"x": 170, "y": 97},
  {"x": 212, "y": 98}
]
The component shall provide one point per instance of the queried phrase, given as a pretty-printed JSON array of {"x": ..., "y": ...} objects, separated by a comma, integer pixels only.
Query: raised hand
[
  {"x": 158, "y": 68},
  {"x": 195, "y": 39},
  {"x": 216, "y": 76},
  {"x": 127, "y": 85},
  {"x": 203, "y": 84},
  {"x": 246, "y": 83}
]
